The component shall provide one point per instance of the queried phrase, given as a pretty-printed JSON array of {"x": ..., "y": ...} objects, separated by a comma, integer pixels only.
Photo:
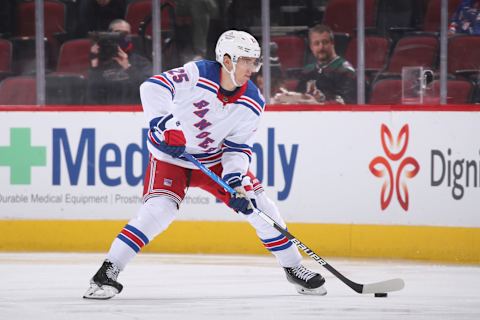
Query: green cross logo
[{"x": 21, "y": 156}]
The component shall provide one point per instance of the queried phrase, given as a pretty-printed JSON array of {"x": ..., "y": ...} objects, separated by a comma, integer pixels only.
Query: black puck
[{"x": 381, "y": 295}]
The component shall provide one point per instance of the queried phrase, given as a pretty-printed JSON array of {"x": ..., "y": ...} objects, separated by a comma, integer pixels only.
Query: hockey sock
[
  {"x": 284, "y": 250},
  {"x": 152, "y": 218}
]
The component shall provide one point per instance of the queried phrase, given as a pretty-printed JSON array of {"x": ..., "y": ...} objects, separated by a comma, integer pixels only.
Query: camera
[{"x": 108, "y": 43}]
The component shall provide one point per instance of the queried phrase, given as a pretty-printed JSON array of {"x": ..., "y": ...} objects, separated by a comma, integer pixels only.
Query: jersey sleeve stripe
[
  {"x": 249, "y": 106},
  {"x": 208, "y": 156},
  {"x": 209, "y": 83},
  {"x": 152, "y": 138},
  {"x": 161, "y": 125},
  {"x": 201, "y": 85},
  {"x": 162, "y": 84},
  {"x": 162, "y": 77},
  {"x": 236, "y": 145},
  {"x": 229, "y": 146},
  {"x": 250, "y": 100},
  {"x": 232, "y": 176}
]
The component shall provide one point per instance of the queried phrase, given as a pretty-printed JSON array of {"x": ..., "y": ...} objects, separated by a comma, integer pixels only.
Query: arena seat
[
  {"x": 5, "y": 58},
  {"x": 376, "y": 52},
  {"x": 414, "y": 50},
  {"x": 140, "y": 10},
  {"x": 458, "y": 91},
  {"x": 341, "y": 15},
  {"x": 24, "y": 36},
  {"x": 386, "y": 91},
  {"x": 291, "y": 58},
  {"x": 139, "y": 15},
  {"x": 54, "y": 13},
  {"x": 74, "y": 57},
  {"x": 463, "y": 55},
  {"x": 18, "y": 90}
]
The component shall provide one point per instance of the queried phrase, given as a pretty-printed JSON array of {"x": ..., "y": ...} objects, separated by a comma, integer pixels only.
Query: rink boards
[{"x": 364, "y": 182}]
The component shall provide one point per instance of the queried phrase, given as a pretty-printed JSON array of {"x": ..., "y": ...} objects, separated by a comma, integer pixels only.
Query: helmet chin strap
[{"x": 232, "y": 74}]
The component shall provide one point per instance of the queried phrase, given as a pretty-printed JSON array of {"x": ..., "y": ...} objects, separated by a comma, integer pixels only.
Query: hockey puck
[{"x": 381, "y": 295}]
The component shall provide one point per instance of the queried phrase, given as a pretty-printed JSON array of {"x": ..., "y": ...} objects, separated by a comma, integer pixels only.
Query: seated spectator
[
  {"x": 116, "y": 72},
  {"x": 96, "y": 15},
  {"x": 331, "y": 79},
  {"x": 466, "y": 19}
]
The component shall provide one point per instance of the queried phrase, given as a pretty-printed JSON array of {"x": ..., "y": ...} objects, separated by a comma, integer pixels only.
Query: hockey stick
[{"x": 370, "y": 288}]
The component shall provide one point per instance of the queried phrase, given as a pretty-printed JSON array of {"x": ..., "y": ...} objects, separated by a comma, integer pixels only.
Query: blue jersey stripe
[
  {"x": 231, "y": 176},
  {"x": 236, "y": 145},
  {"x": 166, "y": 78},
  {"x": 206, "y": 87},
  {"x": 161, "y": 84},
  {"x": 249, "y": 107}
]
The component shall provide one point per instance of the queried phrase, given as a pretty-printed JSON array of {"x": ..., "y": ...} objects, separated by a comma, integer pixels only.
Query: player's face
[
  {"x": 245, "y": 68},
  {"x": 321, "y": 46}
]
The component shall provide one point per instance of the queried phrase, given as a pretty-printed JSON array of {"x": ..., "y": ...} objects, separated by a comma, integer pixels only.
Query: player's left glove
[
  {"x": 166, "y": 135},
  {"x": 240, "y": 201}
]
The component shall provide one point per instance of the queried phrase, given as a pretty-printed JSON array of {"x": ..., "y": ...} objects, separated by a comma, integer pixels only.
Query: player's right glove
[
  {"x": 240, "y": 201},
  {"x": 166, "y": 135}
]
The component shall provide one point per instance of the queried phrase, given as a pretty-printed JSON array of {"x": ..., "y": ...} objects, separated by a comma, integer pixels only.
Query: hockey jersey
[{"x": 217, "y": 128}]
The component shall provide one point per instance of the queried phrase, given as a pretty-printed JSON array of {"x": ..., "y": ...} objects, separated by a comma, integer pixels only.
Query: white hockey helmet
[{"x": 237, "y": 44}]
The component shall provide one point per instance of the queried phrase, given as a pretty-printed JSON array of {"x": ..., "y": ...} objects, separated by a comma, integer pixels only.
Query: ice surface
[{"x": 158, "y": 286}]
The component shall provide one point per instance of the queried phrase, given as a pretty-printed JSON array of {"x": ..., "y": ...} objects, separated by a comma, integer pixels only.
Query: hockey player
[{"x": 210, "y": 110}]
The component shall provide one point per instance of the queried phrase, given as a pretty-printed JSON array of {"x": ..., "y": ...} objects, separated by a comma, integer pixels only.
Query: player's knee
[{"x": 157, "y": 214}]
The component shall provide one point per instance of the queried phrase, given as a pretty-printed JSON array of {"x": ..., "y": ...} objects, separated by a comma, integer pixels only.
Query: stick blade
[{"x": 384, "y": 286}]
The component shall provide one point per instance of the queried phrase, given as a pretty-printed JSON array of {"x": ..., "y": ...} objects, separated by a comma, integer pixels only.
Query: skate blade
[
  {"x": 320, "y": 291},
  {"x": 100, "y": 293}
]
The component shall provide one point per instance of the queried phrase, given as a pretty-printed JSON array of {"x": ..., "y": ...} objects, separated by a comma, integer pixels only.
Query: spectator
[
  {"x": 96, "y": 15},
  {"x": 331, "y": 79},
  {"x": 466, "y": 18},
  {"x": 116, "y": 71}
]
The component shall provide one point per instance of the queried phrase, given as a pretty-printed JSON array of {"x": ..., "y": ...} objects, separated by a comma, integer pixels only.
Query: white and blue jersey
[{"x": 217, "y": 128}]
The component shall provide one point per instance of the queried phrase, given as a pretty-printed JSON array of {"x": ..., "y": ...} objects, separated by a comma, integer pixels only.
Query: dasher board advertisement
[{"x": 343, "y": 167}]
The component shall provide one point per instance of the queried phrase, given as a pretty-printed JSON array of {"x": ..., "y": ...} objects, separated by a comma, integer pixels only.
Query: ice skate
[
  {"x": 306, "y": 281},
  {"x": 104, "y": 283}
]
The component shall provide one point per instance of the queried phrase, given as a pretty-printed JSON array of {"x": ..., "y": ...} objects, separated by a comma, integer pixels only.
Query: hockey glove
[
  {"x": 239, "y": 201},
  {"x": 166, "y": 135}
]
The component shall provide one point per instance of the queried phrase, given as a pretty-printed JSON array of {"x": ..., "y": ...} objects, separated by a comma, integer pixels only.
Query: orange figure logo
[{"x": 380, "y": 166}]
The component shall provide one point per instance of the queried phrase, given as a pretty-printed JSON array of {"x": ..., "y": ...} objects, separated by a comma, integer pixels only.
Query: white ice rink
[{"x": 50, "y": 286}]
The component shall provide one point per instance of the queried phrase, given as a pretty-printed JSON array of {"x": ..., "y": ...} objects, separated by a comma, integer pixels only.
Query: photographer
[{"x": 116, "y": 72}]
